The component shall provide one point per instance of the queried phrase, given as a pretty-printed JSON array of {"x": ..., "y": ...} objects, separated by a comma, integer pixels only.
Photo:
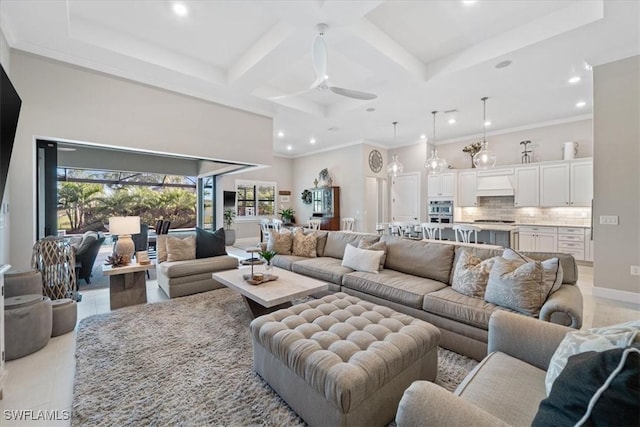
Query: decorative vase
[{"x": 268, "y": 267}]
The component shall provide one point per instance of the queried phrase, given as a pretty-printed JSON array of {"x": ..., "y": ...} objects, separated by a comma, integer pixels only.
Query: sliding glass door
[{"x": 207, "y": 202}]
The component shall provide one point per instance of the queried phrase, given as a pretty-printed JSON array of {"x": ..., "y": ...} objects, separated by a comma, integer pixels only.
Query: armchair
[{"x": 86, "y": 253}]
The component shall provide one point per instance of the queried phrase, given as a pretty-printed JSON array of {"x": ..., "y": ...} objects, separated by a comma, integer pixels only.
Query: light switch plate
[
  {"x": 609, "y": 219},
  {"x": 635, "y": 270}
]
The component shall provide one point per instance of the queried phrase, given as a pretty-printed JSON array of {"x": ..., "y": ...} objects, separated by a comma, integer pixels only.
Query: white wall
[
  {"x": 617, "y": 178},
  {"x": 66, "y": 102},
  {"x": 5, "y": 216}
]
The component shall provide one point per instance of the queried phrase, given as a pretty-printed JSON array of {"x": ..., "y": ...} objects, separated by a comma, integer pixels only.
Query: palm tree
[{"x": 75, "y": 198}]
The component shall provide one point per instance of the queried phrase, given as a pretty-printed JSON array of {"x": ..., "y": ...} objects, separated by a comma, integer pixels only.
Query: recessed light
[
  {"x": 180, "y": 9},
  {"x": 370, "y": 110},
  {"x": 452, "y": 121},
  {"x": 575, "y": 79},
  {"x": 423, "y": 136},
  {"x": 312, "y": 141},
  {"x": 289, "y": 147},
  {"x": 280, "y": 134},
  {"x": 487, "y": 123},
  {"x": 503, "y": 64},
  {"x": 580, "y": 104}
]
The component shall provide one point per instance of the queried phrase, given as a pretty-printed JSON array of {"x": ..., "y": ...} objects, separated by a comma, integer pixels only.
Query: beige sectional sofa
[{"x": 416, "y": 280}]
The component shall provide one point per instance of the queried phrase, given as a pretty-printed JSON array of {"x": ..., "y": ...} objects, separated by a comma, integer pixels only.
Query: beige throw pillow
[
  {"x": 181, "y": 249},
  {"x": 516, "y": 285},
  {"x": 471, "y": 274},
  {"x": 304, "y": 244},
  {"x": 377, "y": 246},
  {"x": 280, "y": 242},
  {"x": 552, "y": 271},
  {"x": 161, "y": 247},
  {"x": 361, "y": 259}
]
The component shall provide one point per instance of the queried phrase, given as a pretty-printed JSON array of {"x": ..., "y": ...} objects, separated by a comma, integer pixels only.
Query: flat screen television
[
  {"x": 9, "y": 112},
  {"x": 229, "y": 199}
]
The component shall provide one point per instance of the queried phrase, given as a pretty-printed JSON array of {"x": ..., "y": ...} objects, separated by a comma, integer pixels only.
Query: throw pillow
[
  {"x": 161, "y": 247},
  {"x": 209, "y": 244},
  {"x": 471, "y": 274},
  {"x": 595, "y": 388},
  {"x": 304, "y": 244},
  {"x": 181, "y": 249},
  {"x": 552, "y": 270},
  {"x": 280, "y": 241},
  {"x": 515, "y": 285},
  {"x": 375, "y": 246},
  {"x": 595, "y": 339},
  {"x": 364, "y": 260}
]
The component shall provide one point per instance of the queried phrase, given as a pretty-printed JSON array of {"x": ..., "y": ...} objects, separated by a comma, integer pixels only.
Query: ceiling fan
[{"x": 319, "y": 57}]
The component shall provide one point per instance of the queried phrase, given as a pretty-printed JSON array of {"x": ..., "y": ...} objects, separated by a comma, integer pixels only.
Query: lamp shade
[{"x": 122, "y": 225}]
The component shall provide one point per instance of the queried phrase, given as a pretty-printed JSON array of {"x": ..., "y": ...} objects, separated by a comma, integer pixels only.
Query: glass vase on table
[{"x": 267, "y": 256}]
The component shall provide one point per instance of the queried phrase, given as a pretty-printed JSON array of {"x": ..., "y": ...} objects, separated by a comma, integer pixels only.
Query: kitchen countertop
[{"x": 500, "y": 226}]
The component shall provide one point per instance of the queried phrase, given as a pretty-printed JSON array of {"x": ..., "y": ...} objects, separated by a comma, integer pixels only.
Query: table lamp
[{"x": 124, "y": 227}]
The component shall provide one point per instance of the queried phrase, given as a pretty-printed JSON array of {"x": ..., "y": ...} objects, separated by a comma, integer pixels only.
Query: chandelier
[
  {"x": 484, "y": 159},
  {"x": 395, "y": 167},
  {"x": 434, "y": 164}
]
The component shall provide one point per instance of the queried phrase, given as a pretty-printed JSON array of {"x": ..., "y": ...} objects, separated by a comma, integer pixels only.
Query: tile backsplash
[{"x": 502, "y": 208}]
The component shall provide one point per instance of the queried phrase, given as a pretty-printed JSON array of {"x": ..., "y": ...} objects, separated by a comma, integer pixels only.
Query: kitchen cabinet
[
  {"x": 527, "y": 191},
  {"x": 566, "y": 184},
  {"x": 467, "y": 189},
  {"x": 441, "y": 186},
  {"x": 538, "y": 239},
  {"x": 571, "y": 241}
]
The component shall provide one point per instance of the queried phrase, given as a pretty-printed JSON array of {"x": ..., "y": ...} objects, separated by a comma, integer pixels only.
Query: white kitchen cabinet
[
  {"x": 467, "y": 189},
  {"x": 566, "y": 184},
  {"x": 571, "y": 241},
  {"x": 538, "y": 239},
  {"x": 441, "y": 186},
  {"x": 527, "y": 191}
]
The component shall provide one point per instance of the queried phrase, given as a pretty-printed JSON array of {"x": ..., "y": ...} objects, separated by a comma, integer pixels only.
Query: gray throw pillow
[
  {"x": 471, "y": 274},
  {"x": 516, "y": 285}
]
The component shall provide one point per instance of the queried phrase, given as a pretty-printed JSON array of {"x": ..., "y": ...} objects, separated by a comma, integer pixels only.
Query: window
[{"x": 255, "y": 198}]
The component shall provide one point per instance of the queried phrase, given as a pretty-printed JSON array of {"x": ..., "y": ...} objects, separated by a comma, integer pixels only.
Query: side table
[{"x": 127, "y": 284}]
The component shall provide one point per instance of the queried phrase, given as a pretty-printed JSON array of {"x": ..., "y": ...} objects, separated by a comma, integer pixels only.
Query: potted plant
[
  {"x": 287, "y": 215},
  {"x": 229, "y": 233},
  {"x": 267, "y": 256}
]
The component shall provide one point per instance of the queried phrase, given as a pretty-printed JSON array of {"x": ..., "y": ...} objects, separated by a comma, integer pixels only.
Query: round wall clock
[{"x": 375, "y": 161}]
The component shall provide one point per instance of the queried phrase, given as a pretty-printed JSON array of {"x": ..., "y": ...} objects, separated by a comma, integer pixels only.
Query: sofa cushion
[
  {"x": 375, "y": 246},
  {"x": 423, "y": 259},
  {"x": 321, "y": 239},
  {"x": 362, "y": 259},
  {"x": 280, "y": 241},
  {"x": 568, "y": 262},
  {"x": 304, "y": 244},
  {"x": 322, "y": 268},
  {"x": 477, "y": 251},
  {"x": 87, "y": 240},
  {"x": 516, "y": 285},
  {"x": 552, "y": 270},
  {"x": 181, "y": 249},
  {"x": 210, "y": 243},
  {"x": 393, "y": 286},
  {"x": 198, "y": 266},
  {"x": 448, "y": 303},
  {"x": 604, "y": 389},
  {"x": 470, "y": 274},
  {"x": 505, "y": 387},
  {"x": 338, "y": 240},
  {"x": 286, "y": 261}
]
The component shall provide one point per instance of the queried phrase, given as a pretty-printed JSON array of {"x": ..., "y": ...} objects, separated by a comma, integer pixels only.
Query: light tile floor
[{"x": 44, "y": 380}]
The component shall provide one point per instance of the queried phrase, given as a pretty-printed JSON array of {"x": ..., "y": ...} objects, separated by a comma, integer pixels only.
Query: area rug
[{"x": 185, "y": 362}]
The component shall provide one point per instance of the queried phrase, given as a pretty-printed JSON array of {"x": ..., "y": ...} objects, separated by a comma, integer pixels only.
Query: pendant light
[
  {"x": 395, "y": 167},
  {"x": 484, "y": 159},
  {"x": 434, "y": 164}
]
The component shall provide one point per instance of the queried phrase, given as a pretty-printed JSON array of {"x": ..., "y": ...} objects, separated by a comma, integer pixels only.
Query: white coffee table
[{"x": 270, "y": 296}]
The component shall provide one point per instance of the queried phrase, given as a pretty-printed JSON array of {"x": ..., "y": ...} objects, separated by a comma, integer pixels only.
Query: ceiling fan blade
[
  {"x": 319, "y": 58},
  {"x": 353, "y": 93},
  {"x": 290, "y": 95}
]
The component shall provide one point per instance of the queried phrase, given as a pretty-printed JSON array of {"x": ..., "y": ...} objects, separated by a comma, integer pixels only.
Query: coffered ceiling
[{"x": 416, "y": 56}]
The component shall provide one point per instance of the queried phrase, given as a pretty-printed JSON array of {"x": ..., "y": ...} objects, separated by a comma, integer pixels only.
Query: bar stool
[
  {"x": 465, "y": 232},
  {"x": 430, "y": 229}
]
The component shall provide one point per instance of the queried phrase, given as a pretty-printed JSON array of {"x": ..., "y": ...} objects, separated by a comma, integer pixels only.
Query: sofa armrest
[
  {"x": 564, "y": 307},
  {"x": 526, "y": 338},
  {"x": 426, "y": 404}
]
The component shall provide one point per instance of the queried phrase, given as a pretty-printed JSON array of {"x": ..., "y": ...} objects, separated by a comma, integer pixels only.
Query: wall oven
[{"x": 440, "y": 211}]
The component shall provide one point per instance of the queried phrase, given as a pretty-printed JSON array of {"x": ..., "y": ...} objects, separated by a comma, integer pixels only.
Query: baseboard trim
[{"x": 614, "y": 294}]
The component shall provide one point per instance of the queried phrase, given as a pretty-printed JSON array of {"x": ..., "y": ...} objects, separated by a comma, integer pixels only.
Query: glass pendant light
[
  {"x": 395, "y": 167},
  {"x": 484, "y": 159},
  {"x": 434, "y": 164}
]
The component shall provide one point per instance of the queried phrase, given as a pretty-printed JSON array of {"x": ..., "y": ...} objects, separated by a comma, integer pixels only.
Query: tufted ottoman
[{"x": 342, "y": 361}]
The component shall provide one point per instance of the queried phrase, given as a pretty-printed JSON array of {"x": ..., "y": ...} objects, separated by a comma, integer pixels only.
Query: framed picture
[{"x": 284, "y": 199}]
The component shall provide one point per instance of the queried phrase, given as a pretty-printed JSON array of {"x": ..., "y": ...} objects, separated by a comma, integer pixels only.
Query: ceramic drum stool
[
  {"x": 343, "y": 361},
  {"x": 65, "y": 315},
  {"x": 22, "y": 282},
  {"x": 27, "y": 324}
]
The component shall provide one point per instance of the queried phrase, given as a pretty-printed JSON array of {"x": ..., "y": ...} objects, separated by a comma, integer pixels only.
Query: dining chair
[
  {"x": 430, "y": 230},
  {"x": 348, "y": 224},
  {"x": 265, "y": 227},
  {"x": 315, "y": 224},
  {"x": 403, "y": 228},
  {"x": 465, "y": 232},
  {"x": 277, "y": 224}
]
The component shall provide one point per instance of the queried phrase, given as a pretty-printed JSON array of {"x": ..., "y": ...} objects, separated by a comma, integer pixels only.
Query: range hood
[{"x": 495, "y": 182}]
